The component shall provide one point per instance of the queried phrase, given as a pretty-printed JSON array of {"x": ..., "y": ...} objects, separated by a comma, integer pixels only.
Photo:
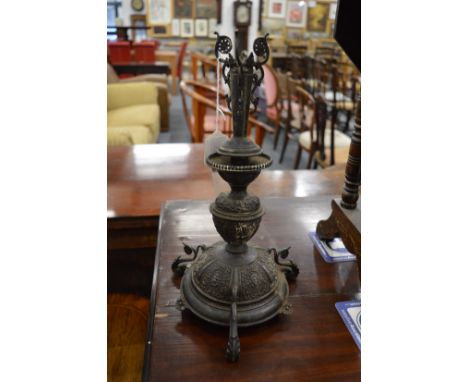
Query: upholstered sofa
[
  {"x": 133, "y": 115},
  {"x": 161, "y": 82}
]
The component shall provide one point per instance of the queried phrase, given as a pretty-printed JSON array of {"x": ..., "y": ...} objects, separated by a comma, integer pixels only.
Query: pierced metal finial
[{"x": 243, "y": 64}]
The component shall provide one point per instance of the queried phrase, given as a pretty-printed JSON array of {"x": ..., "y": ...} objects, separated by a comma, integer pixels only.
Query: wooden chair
[
  {"x": 317, "y": 75},
  {"x": 274, "y": 101},
  {"x": 318, "y": 138},
  {"x": 293, "y": 113},
  {"x": 180, "y": 60},
  {"x": 206, "y": 64},
  {"x": 343, "y": 94},
  {"x": 202, "y": 119},
  {"x": 297, "y": 66}
]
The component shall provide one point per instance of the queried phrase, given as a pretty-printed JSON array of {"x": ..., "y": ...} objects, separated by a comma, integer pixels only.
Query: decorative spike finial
[{"x": 243, "y": 65}]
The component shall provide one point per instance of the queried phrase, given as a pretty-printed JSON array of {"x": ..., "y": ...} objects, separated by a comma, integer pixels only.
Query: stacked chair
[{"x": 324, "y": 85}]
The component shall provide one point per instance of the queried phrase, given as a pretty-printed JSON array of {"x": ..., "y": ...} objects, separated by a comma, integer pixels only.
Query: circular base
[{"x": 250, "y": 312}]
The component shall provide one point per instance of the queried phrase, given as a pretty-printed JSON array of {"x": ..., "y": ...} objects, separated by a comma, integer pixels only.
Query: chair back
[
  {"x": 292, "y": 96},
  {"x": 207, "y": 64},
  {"x": 119, "y": 52},
  {"x": 321, "y": 117},
  {"x": 144, "y": 51},
  {"x": 297, "y": 66},
  {"x": 180, "y": 60},
  {"x": 196, "y": 117},
  {"x": 307, "y": 107},
  {"x": 270, "y": 82}
]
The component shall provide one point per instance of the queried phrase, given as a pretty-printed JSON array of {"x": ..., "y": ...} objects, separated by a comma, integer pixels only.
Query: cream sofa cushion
[
  {"x": 341, "y": 139},
  {"x": 131, "y": 93},
  {"x": 128, "y": 135},
  {"x": 143, "y": 115}
]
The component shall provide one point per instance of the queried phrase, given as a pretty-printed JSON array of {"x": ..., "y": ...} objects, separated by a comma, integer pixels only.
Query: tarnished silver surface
[{"x": 232, "y": 283}]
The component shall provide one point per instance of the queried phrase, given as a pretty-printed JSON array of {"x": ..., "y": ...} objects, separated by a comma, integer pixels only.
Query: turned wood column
[{"x": 350, "y": 194}]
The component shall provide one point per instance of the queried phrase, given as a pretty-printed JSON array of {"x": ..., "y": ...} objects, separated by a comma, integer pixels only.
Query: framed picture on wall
[
  {"x": 186, "y": 27},
  {"x": 277, "y": 9},
  {"x": 175, "y": 27},
  {"x": 205, "y": 8},
  {"x": 201, "y": 27},
  {"x": 160, "y": 11},
  {"x": 332, "y": 11},
  {"x": 138, "y": 21},
  {"x": 318, "y": 17},
  {"x": 183, "y": 9},
  {"x": 212, "y": 28},
  {"x": 296, "y": 14}
]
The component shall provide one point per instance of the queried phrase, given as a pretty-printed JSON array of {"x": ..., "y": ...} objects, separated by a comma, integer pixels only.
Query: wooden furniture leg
[{"x": 174, "y": 75}]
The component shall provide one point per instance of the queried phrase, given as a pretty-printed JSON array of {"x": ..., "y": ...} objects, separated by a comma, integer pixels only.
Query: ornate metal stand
[{"x": 231, "y": 283}]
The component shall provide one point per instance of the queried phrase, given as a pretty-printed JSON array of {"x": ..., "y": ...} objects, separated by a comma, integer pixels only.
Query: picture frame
[
  {"x": 296, "y": 14},
  {"x": 183, "y": 9},
  {"x": 277, "y": 9},
  {"x": 212, "y": 27},
  {"x": 201, "y": 27},
  {"x": 186, "y": 27},
  {"x": 138, "y": 21},
  {"x": 175, "y": 29},
  {"x": 332, "y": 13},
  {"x": 206, "y": 9},
  {"x": 318, "y": 17},
  {"x": 160, "y": 11}
]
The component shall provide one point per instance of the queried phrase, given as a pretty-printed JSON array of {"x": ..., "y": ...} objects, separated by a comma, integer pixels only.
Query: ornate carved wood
[
  {"x": 350, "y": 193},
  {"x": 345, "y": 219}
]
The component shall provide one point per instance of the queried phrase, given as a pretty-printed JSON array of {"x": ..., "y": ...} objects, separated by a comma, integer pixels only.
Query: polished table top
[
  {"x": 142, "y": 177},
  {"x": 311, "y": 344}
]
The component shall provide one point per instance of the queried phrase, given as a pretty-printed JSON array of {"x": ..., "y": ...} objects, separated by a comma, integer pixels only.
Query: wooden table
[
  {"x": 171, "y": 58},
  {"x": 137, "y": 68},
  {"x": 312, "y": 344},
  {"x": 141, "y": 178}
]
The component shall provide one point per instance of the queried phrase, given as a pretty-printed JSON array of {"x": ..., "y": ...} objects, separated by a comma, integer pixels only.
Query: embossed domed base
[{"x": 211, "y": 282}]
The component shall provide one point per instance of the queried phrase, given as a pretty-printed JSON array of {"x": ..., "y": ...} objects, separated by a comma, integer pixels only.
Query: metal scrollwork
[
  {"x": 180, "y": 265},
  {"x": 289, "y": 268},
  {"x": 246, "y": 64}
]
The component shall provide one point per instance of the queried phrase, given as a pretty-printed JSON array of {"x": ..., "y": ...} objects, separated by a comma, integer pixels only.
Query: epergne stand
[{"x": 233, "y": 283}]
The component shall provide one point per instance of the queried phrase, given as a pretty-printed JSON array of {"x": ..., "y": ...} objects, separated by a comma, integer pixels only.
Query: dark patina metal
[{"x": 232, "y": 283}]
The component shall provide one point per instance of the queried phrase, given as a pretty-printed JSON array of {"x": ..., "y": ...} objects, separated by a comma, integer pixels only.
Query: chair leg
[
  {"x": 332, "y": 138},
  {"x": 277, "y": 131},
  {"x": 348, "y": 120},
  {"x": 309, "y": 161},
  {"x": 298, "y": 157},
  {"x": 285, "y": 143}
]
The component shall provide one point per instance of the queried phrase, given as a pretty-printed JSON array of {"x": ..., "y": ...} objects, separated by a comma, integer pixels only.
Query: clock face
[
  {"x": 137, "y": 5},
  {"x": 242, "y": 14}
]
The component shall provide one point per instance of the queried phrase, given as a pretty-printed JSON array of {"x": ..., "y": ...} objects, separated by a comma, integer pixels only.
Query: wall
[{"x": 126, "y": 10}]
